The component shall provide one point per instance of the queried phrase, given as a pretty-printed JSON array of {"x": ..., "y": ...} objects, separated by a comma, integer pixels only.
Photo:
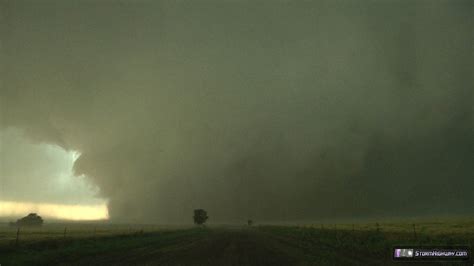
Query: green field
[{"x": 315, "y": 244}]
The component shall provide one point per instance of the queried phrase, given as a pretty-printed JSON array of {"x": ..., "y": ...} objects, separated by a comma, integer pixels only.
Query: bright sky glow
[
  {"x": 56, "y": 211},
  {"x": 38, "y": 177}
]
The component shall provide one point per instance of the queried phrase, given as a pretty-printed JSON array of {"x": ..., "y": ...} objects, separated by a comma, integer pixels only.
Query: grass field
[{"x": 315, "y": 244}]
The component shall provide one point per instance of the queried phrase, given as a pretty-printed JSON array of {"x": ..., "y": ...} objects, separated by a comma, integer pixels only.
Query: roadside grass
[{"x": 371, "y": 243}]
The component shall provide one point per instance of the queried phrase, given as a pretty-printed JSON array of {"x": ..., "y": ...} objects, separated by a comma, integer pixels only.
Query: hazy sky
[
  {"x": 273, "y": 110},
  {"x": 40, "y": 172}
]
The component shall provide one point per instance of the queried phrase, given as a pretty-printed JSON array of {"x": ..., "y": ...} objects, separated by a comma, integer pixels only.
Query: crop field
[{"x": 310, "y": 244}]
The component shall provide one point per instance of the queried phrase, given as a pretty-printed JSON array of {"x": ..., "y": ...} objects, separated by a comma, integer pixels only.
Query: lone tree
[
  {"x": 31, "y": 219},
  {"x": 200, "y": 216}
]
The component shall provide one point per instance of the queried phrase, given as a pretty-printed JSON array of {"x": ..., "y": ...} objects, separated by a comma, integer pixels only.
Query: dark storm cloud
[{"x": 272, "y": 110}]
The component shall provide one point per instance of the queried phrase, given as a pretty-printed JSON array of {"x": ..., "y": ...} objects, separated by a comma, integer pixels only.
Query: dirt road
[{"x": 218, "y": 247}]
